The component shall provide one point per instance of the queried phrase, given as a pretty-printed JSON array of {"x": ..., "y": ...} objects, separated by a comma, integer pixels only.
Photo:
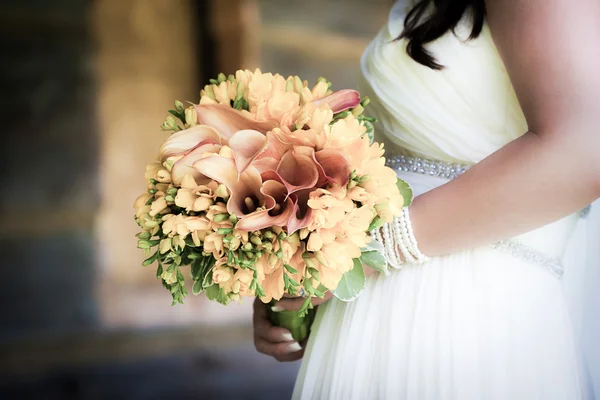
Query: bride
[{"x": 492, "y": 113}]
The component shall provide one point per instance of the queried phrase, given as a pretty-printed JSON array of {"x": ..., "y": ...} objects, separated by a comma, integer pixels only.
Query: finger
[
  {"x": 287, "y": 351},
  {"x": 276, "y": 334},
  {"x": 261, "y": 312},
  {"x": 295, "y": 304},
  {"x": 289, "y": 304},
  {"x": 291, "y": 357},
  {"x": 260, "y": 309}
]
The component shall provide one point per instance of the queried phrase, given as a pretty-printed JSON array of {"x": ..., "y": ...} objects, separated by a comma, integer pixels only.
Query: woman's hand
[
  {"x": 278, "y": 342},
  {"x": 275, "y": 341}
]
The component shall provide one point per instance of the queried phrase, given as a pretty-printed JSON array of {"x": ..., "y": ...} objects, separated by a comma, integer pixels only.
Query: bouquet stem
[{"x": 297, "y": 322}]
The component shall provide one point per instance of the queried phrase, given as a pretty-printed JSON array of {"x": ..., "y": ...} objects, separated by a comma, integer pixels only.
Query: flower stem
[{"x": 298, "y": 323}]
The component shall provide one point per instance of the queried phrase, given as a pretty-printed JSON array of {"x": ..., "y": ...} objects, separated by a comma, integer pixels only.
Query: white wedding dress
[{"x": 497, "y": 322}]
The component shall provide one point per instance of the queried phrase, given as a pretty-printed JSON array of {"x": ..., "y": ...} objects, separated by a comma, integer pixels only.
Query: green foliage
[
  {"x": 405, "y": 191},
  {"x": 352, "y": 283}
]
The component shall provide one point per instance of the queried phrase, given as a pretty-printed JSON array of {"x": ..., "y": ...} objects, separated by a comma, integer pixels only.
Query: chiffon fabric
[{"x": 480, "y": 324}]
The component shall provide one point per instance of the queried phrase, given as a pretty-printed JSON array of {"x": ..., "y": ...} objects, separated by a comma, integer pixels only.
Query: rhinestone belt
[{"x": 447, "y": 170}]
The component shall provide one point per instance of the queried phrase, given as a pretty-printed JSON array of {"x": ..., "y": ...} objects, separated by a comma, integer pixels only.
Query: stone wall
[{"x": 49, "y": 186}]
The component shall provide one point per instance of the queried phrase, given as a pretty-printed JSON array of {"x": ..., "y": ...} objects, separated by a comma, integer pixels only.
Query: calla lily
[
  {"x": 277, "y": 210},
  {"x": 332, "y": 164},
  {"x": 185, "y": 165},
  {"x": 302, "y": 214},
  {"x": 297, "y": 171},
  {"x": 227, "y": 121},
  {"x": 266, "y": 164},
  {"x": 341, "y": 100},
  {"x": 184, "y": 141},
  {"x": 335, "y": 165},
  {"x": 246, "y": 145},
  {"x": 276, "y": 145},
  {"x": 245, "y": 189}
]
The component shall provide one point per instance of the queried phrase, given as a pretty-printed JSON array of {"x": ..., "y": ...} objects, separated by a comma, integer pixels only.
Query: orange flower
[
  {"x": 356, "y": 225},
  {"x": 329, "y": 207}
]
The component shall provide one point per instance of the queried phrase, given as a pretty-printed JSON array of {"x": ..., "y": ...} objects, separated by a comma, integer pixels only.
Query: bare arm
[{"x": 551, "y": 51}]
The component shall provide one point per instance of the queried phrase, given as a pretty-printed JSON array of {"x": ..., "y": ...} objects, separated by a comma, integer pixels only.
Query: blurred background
[{"x": 85, "y": 85}]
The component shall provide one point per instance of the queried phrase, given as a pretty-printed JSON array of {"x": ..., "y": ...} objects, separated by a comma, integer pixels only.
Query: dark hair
[{"x": 420, "y": 28}]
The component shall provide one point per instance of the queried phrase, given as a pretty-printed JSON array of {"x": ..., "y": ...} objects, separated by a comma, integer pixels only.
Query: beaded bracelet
[{"x": 400, "y": 242}]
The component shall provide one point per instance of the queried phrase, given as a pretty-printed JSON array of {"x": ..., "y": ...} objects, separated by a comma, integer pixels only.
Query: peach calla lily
[
  {"x": 183, "y": 141},
  {"x": 341, "y": 100},
  {"x": 277, "y": 210},
  {"x": 332, "y": 164},
  {"x": 302, "y": 214},
  {"x": 335, "y": 165},
  {"x": 297, "y": 171},
  {"x": 185, "y": 165},
  {"x": 246, "y": 196},
  {"x": 246, "y": 145},
  {"x": 227, "y": 121}
]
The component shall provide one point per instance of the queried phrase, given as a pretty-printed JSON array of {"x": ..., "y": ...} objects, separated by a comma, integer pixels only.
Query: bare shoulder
[{"x": 550, "y": 49}]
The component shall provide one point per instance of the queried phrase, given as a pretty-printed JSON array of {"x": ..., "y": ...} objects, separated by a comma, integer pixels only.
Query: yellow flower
[
  {"x": 165, "y": 246},
  {"x": 344, "y": 132},
  {"x": 339, "y": 255},
  {"x": 315, "y": 242},
  {"x": 163, "y": 176},
  {"x": 152, "y": 170},
  {"x": 191, "y": 118},
  {"x": 178, "y": 241},
  {"x": 141, "y": 201},
  {"x": 213, "y": 243},
  {"x": 356, "y": 224},
  {"x": 222, "y": 274},
  {"x": 320, "y": 90},
  {"x": 202, "y": 203},
  {"x": 242, "y": 281},
  {"x": 328, "y": 207},
  {"x": 185, "y": 199},
  {"x": 221, "y": 92},
  {"x": 157, "y": 206},
  {"x": 272, "y": 282},
  {"x": 169, "y": 277}
]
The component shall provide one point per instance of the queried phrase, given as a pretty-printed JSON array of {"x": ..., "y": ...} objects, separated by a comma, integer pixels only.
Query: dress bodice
[{"x": 462, "y": 113}]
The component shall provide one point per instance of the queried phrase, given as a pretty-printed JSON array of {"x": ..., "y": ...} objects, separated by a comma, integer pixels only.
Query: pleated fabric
[{"x": 481, "y": 324}]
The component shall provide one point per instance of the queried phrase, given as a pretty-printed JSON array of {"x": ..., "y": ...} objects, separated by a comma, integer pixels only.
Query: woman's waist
[{"x": 545, "y": 245}]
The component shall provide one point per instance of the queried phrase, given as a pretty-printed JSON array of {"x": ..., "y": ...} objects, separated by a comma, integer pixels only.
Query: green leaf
[
  {"x": 217, "y": 294},
  {"x": 143, "y": 235},
  {"x": 375, "y": 260},
  {"x": 189, "y": 242},
  {"x": 290, "y": 269},
  {"x": 352, "y": 283},
  {"x": 212, "y": 292},
  {"x": 180, "y": 277},
  {"x": 196, "y": 270},
  {"x": 177, "y": 115},
  {"x": 405, "y": 191},
  {"x": 151, "y": 259},
  {"x": 376, "y": 223},
  {"x": 207, "y": 279},
  {"x": 197, "y": 288},
  {"x": 373, "y": 255},
  {"x": 370, "y": 130}
]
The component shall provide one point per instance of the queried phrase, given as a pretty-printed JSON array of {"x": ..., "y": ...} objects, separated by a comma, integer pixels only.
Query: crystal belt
[
  {"x": 441, "y": 169},
  {"x": 447, "y": 170}
]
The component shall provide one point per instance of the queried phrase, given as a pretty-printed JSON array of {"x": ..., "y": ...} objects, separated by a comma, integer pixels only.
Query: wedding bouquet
[{"x": 265, "y": 188}]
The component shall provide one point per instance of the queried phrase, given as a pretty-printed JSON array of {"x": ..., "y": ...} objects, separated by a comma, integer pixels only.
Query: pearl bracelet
[
  {"x": 400, "y": 242},
  {"x": 408, "y": 235}
]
